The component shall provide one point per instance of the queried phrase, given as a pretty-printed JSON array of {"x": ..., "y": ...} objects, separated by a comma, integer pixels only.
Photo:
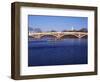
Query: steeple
[{"x": 72, "y": 28}]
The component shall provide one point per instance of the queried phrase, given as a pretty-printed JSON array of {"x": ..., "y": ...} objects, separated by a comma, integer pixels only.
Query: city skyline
[{"x": 57, "y": 23}]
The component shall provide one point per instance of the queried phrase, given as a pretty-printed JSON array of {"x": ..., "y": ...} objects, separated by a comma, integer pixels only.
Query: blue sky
[{"x": 58, "y": 23}]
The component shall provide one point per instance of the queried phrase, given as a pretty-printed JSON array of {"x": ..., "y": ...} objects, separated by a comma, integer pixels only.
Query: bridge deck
[{"x": 46, "y": 33}]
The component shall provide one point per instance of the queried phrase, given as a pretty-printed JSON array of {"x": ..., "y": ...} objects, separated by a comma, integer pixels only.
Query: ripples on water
[{"x": 57, "y": 52}]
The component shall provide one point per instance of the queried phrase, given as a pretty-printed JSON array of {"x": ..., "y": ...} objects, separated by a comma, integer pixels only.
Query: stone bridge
[{"x": 58, "y": 35}]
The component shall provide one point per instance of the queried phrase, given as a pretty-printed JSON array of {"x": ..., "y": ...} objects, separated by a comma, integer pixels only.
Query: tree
[
  {"x": 83, "y": 30},
  {"x": 65, "y": 31},
  {"x": 30, "y": 29},
  {"x": 37, "y": 30},
  {"x": 53, "y": 31}
]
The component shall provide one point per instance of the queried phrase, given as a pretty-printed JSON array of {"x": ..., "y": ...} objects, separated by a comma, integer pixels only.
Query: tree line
[{"x": 39, "y": 30}]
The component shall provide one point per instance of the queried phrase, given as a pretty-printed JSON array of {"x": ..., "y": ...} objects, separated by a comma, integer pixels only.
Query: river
[{"x": 68, "y": 51}]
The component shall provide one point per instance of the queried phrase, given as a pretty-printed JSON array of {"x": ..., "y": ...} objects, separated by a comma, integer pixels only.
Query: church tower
[{"x": 72, "y": 29}]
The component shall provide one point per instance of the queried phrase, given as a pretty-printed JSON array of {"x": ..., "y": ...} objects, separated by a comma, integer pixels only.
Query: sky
[{"x": 57, "y": 23}]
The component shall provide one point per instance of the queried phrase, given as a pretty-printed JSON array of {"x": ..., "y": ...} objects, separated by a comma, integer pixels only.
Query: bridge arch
[
  {"x": 68, "y": 36},
  {"x": 31, "y": 38},
  {"x": 48, "y": 36},
  {"x": 85, "y": 36}
]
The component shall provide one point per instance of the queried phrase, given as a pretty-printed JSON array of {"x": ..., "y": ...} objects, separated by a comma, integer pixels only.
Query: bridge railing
[{"x": 32, "y": 33}]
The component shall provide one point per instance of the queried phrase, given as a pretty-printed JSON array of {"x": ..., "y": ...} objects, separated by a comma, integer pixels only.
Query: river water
[{"x": 68, "y": 51}]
